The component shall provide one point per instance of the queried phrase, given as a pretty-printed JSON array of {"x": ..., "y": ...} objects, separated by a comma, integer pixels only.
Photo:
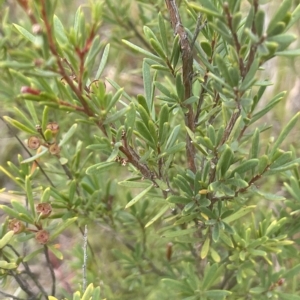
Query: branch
[
  {"x": 10, "y": 296},
  {"x": 46, "y": 249},
  {"x": 29, "y": 273},
  {"x": 187, "y": 74},
  {"x": 84, "y": 266},
  {"x": 62, "y": 71}
]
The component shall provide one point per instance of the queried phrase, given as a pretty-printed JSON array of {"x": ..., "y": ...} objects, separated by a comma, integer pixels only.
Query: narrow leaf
[
  {"x": 240, "y": 213},
  {"x": 139, "y": 196}
]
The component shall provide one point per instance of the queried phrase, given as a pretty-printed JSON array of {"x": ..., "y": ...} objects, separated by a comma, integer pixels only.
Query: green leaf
[
  {"x": 178, "y": 199},
  {"x": 147, "y": 85},
  {"x": 173, "y": 137},
  {"x": 19, "y": 125},
  {"x": 68, "y": 135},
  {"x": 33, "y": 254},
  {"x": 158, "y": 48},
  {"x": 115, "y": 99},
  {"x": 245, "y": 166},
  {"x": 176, "y": 285},
  {"x": 224, "y": 161},
  {"x": 288, "y": 53},
  {"x": 30, "y": 37},
  {"x": 116, "y": 116},
  {"x": 294, "y": 17},
  {"x": 217, "y": 294},
  {"x": 93, "y": 52},
  {"x": 142, "y": 51},
  {"x": 61, "y": 227},
  {"x": 6, "y": 239},
  {"x": 22, "y": 210},
  {"x": 134, "y": 184},
  {"x": 56, "y": 252},
  {"x": 174, "y": 149},
  {"x": 280, "y": 14},
  {"x": 157, "y": 216},
  {"x": 240, "y": 213},
  {"x": 176, "y": 233},
  {"x": 139, "y": 196},
  {"x": 9, "y": 211},
  {"x": 216, "y": 232},
  {"x": 292, "y": 272},
  {"x": 205, "y": 248},
  {"x": 34, "y": 157},
  {"x": 103, "y": 61},
  {"x": 255, "y": 144},
  {"x": 286, "y": 130},
  {"x": 285, "y": 296},
  {"x": 206, "y": 7},
  {"x": 6, "y": 265},
  {"x": 100, "y": 167},
  {"x": 209, "y": 276},
  {"x": 31, "y": 108},
  {"x": 268, "y": 107},
  {"x": 250, "y": 75},
  {"x": 226, "y": 239},
  {"x": 163, "y": 33},
  {"x": 30, "y": 195},
  {"x": 59, "y": 31},
  {"x": 46, "y": 195},
  {"x": 88, "y": 292}
]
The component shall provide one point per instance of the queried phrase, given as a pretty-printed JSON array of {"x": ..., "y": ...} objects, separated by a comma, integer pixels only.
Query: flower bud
[
  {"x": 53, "y": 127},
  {"x": 54, "y": 149},
  {"x": 37, "y": 29},
  {"x": 29, "y": 90},
  {"x": 16, "y": 225},
  {"x": 42, "y": 236},
  {"x": 44, "y": 208},
  {"x": 33, "y": 142},
  {"x": 169, "y": 251}
]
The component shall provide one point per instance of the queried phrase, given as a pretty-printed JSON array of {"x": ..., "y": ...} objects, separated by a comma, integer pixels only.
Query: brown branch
[
  {"x": 50, "y": 266},
  {"x": 134, "y": 159},
  {"x": 62, "y": 70},
  {"x": 29, "y": 273},
  {"x": 187, "y": 72}
]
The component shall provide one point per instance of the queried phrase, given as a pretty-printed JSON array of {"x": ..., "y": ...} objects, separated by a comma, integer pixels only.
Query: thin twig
[
  {"x": 10, "y": 296},
  {"x": 62, "y": 70},
  {"x": 199, "y": 27},
  {"x": 29, "y": 272},
  {"x": 46, "y": 251},
  {"x": 85, "y": 257},
  {"x": 27, "y": 151},
  {"x": 22, "y": 284}
]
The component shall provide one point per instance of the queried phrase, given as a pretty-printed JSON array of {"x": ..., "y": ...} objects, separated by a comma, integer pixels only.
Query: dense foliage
[{"x": 166, "y": 182}]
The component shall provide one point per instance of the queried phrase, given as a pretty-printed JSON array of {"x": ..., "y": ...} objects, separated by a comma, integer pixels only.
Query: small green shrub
[{"x": 186, "y": 193}]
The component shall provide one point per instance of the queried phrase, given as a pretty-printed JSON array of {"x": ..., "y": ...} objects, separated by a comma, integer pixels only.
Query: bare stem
[
  {"x": 46, "y": 251},
  {"x": 29, "y": 273},
  {"x": 85, "y": 257},
  {"x": 187, "y": 75}
]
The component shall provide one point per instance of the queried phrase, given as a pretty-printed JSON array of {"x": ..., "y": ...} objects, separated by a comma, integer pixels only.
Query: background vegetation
[{"x": 149, "y": 148}]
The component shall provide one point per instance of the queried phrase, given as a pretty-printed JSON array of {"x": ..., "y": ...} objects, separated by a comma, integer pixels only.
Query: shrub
[{"x": 180, "y": 184}]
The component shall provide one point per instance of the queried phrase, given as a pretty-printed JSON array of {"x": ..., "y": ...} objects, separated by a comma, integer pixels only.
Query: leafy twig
[{"x": 27, "y": 151}]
